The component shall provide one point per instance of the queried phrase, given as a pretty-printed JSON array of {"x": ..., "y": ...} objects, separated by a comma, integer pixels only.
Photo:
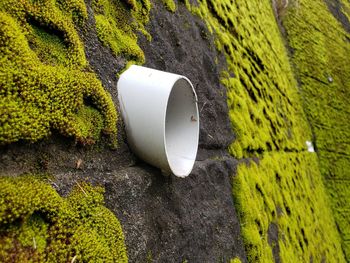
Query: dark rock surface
[
  {"x": 272, "y": 234},
  {"x": 166, "y": 219},
  {"x": 174, "y": 219}
]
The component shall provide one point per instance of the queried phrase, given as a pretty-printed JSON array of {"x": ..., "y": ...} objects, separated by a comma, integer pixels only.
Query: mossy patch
[
  {"x": 170, "y": 5},
  {"x": 44, "y": 74},
  {"x": 37, "y": 225},
  {"x": 286, "y": 189},
  {"x": 50, "y": 48},
  {"x": 116, "y": 23},
  {"x": 267, "y": 116},
  {"x": 90, "y": 122},
  {"x": 235, "y": 260},
  {"x": 321, "y": 51},
  {"x": 264, "y": 104}
]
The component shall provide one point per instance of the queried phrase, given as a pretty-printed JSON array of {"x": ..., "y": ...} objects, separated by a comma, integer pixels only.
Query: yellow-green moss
[
  {"x": 57, "y": 18},
  {"x": 170, "y": 5},
  {"x": 286, "y": 189},
  {"x": 116, "y": 23},
  {"x": 235, "y": 260},
  {"x": 267, "y": 116},
  {"x": 263, "y": 100},
  {"x": 49, "y": 48},
  {"x": 321, "y": 57},
  {"x": 37, "y": 225},
  {"x": 345, "y": 8},
  {"x": 90, "y": 122},
  {"x": 43, "y": 74}
]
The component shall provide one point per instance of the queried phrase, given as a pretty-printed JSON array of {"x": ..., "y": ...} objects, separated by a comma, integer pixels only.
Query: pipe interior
[{"x": 181, "y": 128}]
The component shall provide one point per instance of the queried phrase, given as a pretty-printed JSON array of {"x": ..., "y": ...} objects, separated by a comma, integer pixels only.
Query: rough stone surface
[{"x": 176, "y": 219}]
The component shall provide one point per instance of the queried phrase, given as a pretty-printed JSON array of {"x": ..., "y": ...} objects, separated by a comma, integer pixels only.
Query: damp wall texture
[{"x": 269, "y": 75}]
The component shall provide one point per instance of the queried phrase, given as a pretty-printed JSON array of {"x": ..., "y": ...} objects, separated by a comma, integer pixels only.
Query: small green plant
[
  {"x": 149, "y": 258},
  {"x": 170, "y": 5},
  {"x": 37, "y": 225},
  {"x": 116, "y": 23},
  {"x": 235, "y": 260}
]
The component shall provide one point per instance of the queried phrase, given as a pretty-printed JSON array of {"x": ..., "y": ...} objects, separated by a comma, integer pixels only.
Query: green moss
[
  {"x": 50, "y": 48},
  {"x": 57, "y": 17},
  {"x": 267, "y": 116},
  {"x": 264, "y": 105},
  {"x": 235, "y": 260},
  {"x": 116, "y": 23},
  {"x": 170, "y": 5},
  {"x": 345, "y": 9},
  {"x": 321, "y": 57},
  {"x": 90, "y": 122},
  {"x": 286, "y": 189},
  {"x": 37, "y": 225},
  {"x": 43, "y": 74},
  {"x": 33, "y": 233}
]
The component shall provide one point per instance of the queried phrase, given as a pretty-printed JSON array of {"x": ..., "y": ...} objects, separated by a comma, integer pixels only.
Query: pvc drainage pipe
[{"x": 161, "y": 116}]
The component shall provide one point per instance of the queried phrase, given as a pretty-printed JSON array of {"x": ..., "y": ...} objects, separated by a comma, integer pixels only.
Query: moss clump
[
  {"x": 116, "y": 22},
  {"x": 286, "y": 189},
  {"x": 170, "y": 5},
  {"x": 57, "y": 18},
  {"x": 264, "y": 106},
  {"x": 321, "y": 57},
  {"x": 37, "y": 225},
  {"x": 43, "y": 74},
  {"x": 235, "y": 260},
  {"x": 90, "y": 122},
  {"x": 49, "y": 48}
]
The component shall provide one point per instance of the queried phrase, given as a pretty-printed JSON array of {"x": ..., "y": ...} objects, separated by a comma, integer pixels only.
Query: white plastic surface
[
  {"x": 161, "y": 117},
  {"x": 310, "y": 147}
]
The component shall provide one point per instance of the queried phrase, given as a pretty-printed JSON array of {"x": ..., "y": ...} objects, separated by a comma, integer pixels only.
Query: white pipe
[{"x": 161, "y": 116}]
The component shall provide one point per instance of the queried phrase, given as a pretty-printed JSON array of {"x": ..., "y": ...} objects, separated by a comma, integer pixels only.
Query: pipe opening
[{"x": 181, "y": 128}]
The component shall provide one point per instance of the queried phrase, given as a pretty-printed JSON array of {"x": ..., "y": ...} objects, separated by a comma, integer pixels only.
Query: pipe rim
[{"x": 181, "y": 152}]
